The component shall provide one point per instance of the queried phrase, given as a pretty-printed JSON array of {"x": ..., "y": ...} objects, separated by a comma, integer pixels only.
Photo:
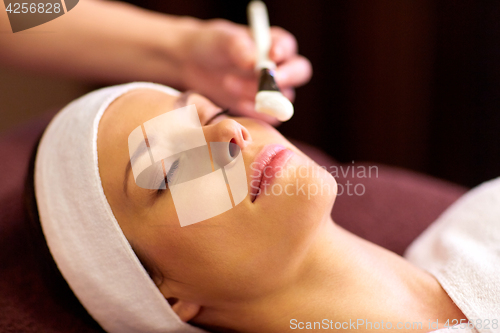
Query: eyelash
[{"x": 170, "y": 174}]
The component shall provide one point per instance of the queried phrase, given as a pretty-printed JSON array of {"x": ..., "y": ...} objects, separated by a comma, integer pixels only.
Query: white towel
[
  {"x": 81, "y": 231},
  {"x": 462, "y": 250}
]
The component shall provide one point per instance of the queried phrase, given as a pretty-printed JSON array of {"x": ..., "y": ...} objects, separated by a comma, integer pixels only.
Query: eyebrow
[
  {"x": 180, "y": 102},
  {"x": 183, "y": 99}
]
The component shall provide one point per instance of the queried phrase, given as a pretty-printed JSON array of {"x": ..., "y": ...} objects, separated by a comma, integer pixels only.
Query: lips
[{"x": 267, "y": 163}]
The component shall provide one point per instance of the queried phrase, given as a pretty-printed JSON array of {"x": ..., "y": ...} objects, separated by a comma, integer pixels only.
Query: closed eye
[
  {"x": 171, "y": 171},
  {"x": 169, "y": 178},
  {"x": 174, "y": 167}
]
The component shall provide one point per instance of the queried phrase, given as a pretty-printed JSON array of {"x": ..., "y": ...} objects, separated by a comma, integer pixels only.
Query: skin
[{"x": 263, "y": 263}]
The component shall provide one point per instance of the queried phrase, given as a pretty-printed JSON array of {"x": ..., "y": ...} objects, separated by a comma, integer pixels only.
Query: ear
[{"x": 185, "y": 310}]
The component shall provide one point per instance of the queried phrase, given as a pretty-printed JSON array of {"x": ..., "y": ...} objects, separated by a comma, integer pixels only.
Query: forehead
[
  {"x": 132, "y": 109},
  {"x": 118, "y": 121},
  {"x": 126, "y": 113}
]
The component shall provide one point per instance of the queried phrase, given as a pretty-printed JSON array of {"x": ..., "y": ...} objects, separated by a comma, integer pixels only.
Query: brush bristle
[{"x": 274, "y": 104}]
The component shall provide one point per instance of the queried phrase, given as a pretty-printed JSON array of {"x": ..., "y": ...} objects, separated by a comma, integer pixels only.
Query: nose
[{"x": 228, "y": 130}]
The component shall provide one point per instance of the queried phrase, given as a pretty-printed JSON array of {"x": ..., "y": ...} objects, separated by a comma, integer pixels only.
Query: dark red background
[{"x": 413, "y": 83}]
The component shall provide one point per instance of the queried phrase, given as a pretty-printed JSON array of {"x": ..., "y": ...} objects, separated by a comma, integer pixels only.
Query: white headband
[{"x": 82, "y": 233}]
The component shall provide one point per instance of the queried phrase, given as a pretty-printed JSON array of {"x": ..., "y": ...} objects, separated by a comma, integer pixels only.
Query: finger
[
  {"x": 232, "y": 42},
  {"x": 238, "y": 43},
  {"x": 294, "y": 73},
  {"x": 289, "y": 93},
  {"x": 283, "y": 45},
  {"x": 242, "y": 50},
  {"x": 240, "y": 87}
]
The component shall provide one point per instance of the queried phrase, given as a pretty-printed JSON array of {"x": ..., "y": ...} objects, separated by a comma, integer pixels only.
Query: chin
[
  {"x": 304, "y": 198},
  {"x": 320, "y": 187}
]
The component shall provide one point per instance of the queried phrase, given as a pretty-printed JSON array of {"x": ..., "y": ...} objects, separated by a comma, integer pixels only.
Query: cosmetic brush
[{"x": 269, "y": 99}]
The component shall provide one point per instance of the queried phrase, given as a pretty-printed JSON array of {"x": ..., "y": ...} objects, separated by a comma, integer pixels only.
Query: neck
[{"x": 347, "y": 280}]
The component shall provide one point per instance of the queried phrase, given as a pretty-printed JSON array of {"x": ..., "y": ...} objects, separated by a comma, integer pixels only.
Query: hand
[{"x": 219, "y": 60}]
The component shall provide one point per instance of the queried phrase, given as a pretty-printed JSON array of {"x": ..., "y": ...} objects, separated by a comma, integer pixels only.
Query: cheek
[
  {"x": 210, "y": 257},
  {"x": 301, "y": 187},
  {"x": 271, "y": 236},
  {"x": 159, "y": 211}
]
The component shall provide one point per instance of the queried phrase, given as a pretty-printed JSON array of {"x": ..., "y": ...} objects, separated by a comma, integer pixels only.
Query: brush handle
[{"x": 259, "y": 24}]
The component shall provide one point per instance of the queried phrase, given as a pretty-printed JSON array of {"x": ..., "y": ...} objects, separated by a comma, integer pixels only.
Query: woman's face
[{"x": 247, "y": 251}]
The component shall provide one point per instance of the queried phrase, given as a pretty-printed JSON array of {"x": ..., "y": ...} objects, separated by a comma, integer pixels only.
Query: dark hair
[{"x": 52, "y": 278}]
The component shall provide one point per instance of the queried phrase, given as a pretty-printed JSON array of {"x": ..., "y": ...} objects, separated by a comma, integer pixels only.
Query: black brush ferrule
[{"x": 267, "y": 81}]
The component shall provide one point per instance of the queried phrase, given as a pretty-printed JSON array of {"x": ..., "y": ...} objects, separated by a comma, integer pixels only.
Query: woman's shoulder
[{"x": 461, "y": 249}]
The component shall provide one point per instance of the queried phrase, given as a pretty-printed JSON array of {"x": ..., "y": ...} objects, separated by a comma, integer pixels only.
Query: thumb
[{"x": 241, "y": 49}]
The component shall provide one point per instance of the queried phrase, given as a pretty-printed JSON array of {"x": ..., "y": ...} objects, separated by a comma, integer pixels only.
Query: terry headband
[
  {"x": 81, "y": 231},
  {"x": 204, "y": 179}
]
